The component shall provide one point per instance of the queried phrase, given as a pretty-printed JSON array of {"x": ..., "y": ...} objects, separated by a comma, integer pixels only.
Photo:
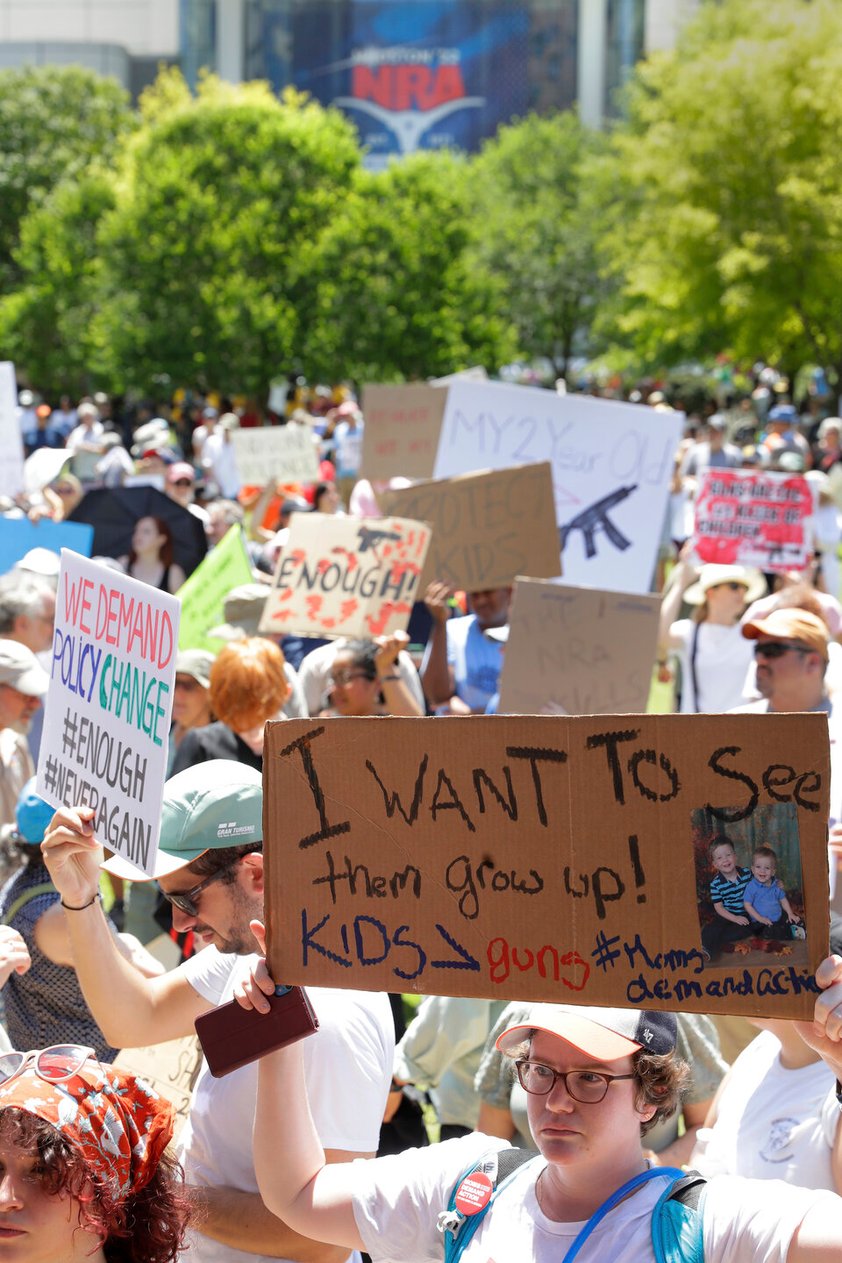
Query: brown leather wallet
[{"x": 232, "y": 1036}]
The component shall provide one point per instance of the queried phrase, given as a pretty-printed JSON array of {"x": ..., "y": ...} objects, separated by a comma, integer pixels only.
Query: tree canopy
[
  {"x": 54, "y": 121},
  {"x": 727, "y": 178},
  {"x": 535, "y": 231}
]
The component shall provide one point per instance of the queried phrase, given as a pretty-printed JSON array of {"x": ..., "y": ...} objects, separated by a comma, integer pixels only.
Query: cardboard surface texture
[
  {"x": 583, "y": 651},
  {"x": 109, "y": 704},
  {"x": 487, "y": 527},
  {"x": 343, "y": 576},
  {"x": 402, "y": 427},
  {"x": 284, "y": 452},
  {"x": 754, "y": 518},
  {"x": 611, "y": 464},
  {"x": 542, "y": 858}
]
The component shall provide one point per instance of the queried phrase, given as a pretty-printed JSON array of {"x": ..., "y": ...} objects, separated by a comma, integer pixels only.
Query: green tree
[
  {"x": 217, "y": 201},
  {"x": 54, "y": 120},
  {"x": 395, "y": 295},
  {"x": 51, "y": 323},
  {"x": 536, "y": 226},
  {"x": 727, "y": 184}
]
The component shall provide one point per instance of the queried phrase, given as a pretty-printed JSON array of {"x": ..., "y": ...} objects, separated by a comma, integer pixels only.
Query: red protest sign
[{"x": 754, "y": 518}]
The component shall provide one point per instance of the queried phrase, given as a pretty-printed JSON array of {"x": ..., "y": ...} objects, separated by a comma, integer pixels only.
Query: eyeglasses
[
  {"x": 586, "y": 1086},
  {"x": 55, "y": 1064},
  {"x": 182, "y": 482},
  {"x": 731, "y": 585},
  {"x": 187, "y": 682},
  {"x": 777, "y": 649},
  {"x": 185, "y": 900},
  {"x": 344, "y": 677}
]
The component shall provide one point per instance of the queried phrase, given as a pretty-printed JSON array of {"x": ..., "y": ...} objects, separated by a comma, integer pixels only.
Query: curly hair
[
  {"x": 248, "y": 684},
  {"x": 146, "y": 1227},
  {"x": 660, "y": 1082}
]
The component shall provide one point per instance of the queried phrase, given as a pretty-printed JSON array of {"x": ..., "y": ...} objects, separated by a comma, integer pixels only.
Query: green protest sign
[{"x": 203, "y": 595}]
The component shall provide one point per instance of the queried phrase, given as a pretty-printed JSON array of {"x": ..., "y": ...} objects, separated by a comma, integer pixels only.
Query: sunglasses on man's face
[
  {"x": 182, "y": 482},
  {"x": 777, "y": 649},
  {"x": 186, "y": 900}
]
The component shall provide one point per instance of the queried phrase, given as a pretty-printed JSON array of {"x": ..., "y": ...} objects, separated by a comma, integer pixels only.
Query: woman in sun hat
[
  {"x": 596, "y": 1080},
  {"x": 83, "y": 1172},
  {"x": 712, "y": 653}
]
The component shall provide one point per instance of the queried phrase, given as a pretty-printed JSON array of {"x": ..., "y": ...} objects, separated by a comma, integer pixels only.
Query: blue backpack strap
[
  {"x": 457, "y": 1228},
  {"x": 610, "y": 1202},
  {"x": 678, "y": 1221}
]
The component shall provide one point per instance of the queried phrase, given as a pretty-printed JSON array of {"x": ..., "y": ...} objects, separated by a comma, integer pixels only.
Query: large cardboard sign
[
  {"x": 19, "y": 535},
  {"x": 544, "y": 858},
  {"x": 577, "y": 651},
  {"x": 109, "y": 704},
  {"x": 487, "y": 527},
  {"x": 402, "y": 427},
  {"x": 11, "y": 441},
  {"x": 611, "y": 468},
  {"x": 753, "y": 518},
  {"x": 203, "y": 595},
  {"x": 284, "y": 452},
  {"x": 342, "y": 576}
]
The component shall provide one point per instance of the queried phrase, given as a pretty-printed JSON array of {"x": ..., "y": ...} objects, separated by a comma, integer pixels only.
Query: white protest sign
[
  {"x": 11, "y": 442},
  {"x": 343, "y": 576},
  {"x": 108, "y": 706},
  {"x": 611, "y": 469},
  {"x": 285, "y": 452}
]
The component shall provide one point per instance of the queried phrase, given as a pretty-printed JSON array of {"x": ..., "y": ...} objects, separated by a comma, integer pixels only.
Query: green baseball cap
[{"x": 206, "y": 807}]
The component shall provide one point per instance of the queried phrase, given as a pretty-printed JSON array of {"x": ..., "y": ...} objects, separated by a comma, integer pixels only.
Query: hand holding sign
[{"x": 73, "y": 856}]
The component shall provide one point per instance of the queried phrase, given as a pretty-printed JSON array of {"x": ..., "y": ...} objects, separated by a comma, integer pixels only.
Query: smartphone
[{"x": 232, "y": 1036}]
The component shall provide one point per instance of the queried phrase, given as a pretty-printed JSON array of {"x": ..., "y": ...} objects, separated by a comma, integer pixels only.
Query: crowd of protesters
[{"x": 81, "y": 1145}]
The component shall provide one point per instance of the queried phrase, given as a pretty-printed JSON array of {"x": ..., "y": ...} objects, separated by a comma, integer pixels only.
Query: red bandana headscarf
[{"x": 118, "y": 1121}]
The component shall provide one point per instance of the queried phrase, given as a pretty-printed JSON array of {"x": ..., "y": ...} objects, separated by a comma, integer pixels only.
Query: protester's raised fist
[
  {"x": 72, "y": 855},
  {"x": 437, "y": 598}
]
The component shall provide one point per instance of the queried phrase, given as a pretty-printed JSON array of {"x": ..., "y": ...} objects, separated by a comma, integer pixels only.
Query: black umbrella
[{"x": 113, "y": 512}]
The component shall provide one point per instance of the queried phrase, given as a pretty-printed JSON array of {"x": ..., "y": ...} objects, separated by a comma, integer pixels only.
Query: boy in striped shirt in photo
[{"x": 727, "y": 894}]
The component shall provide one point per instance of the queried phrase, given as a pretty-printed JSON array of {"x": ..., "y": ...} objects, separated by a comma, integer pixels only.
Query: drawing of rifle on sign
[
  {"x": 342, "y": 576},
  {"x": 108, "y": 707},
  {"x": 487, "y": 527},
  {"x": 754, "y": 518},
  {"x": 545, "y": 858},
  {"x": 577, "y": 651},
  {"x": 611, "y": 467}
]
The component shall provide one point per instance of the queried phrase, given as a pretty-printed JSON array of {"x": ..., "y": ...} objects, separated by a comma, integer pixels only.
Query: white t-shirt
[
  {"x": 348, "y": 1064},
  {"x": 219, "y": 456},
  {"x": 476, "y": 661},
  {"x": 397, "y": 1201},
  {"x": 723, "y": 656},
  {"x": 772, "y": 1123}
]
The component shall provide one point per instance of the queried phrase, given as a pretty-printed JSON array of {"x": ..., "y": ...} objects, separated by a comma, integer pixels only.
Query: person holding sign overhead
[
  {"x": 596, "y": 1080},
  {"x": 461, "y": 668}
]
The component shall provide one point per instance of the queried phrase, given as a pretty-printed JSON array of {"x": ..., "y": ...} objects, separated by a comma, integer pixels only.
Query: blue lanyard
[{"x": 611, "y": 1202}]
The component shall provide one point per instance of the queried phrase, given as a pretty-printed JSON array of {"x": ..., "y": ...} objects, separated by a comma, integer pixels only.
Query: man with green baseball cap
[{"x": 210, "y": 868}]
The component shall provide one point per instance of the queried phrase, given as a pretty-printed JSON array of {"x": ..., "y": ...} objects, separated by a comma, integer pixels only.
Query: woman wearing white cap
[
  {"x": 596, "y": 1080},
  {"x": 711, "y": 650}
]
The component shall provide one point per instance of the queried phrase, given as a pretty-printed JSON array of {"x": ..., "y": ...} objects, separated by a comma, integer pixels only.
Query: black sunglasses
[
  {"x": 777, "y": 649},
  {"x": 185, "y": 900},
  {"x": 731, "y": 584}
]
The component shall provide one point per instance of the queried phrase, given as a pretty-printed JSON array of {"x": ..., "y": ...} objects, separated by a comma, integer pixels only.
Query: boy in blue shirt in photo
[
  {"x": 727, "y": 894},
  {"x": 765, "y": 899}
]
